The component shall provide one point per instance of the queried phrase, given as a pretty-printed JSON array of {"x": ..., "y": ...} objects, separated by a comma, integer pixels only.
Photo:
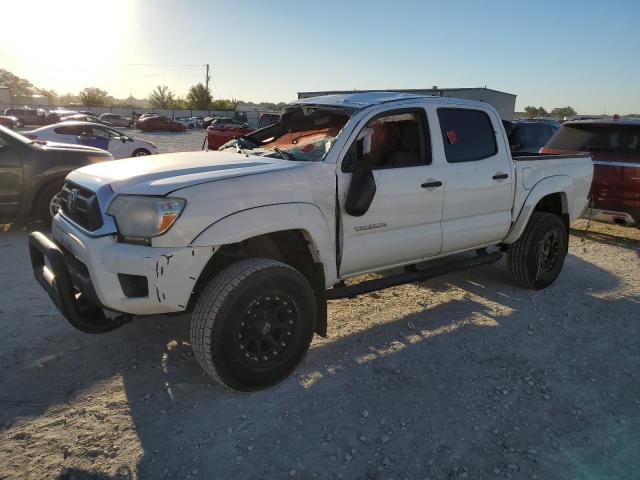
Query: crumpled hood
[{"x": 162, "y": 174}]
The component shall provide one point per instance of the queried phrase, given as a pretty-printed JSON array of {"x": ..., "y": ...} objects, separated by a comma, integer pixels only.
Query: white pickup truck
[{"x": 254, "y": 238}]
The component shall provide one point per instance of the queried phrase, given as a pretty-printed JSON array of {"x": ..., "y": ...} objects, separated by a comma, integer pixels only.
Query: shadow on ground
[{"x": 493, "y": 381}]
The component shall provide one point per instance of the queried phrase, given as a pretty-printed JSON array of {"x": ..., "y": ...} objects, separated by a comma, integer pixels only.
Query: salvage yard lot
[{"x": 463, "y": 376}]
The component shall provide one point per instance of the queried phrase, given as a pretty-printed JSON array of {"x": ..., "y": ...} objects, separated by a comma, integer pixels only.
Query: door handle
[
  {"x": 431, "y": 184},
  {"x": 500, "y": 176}
]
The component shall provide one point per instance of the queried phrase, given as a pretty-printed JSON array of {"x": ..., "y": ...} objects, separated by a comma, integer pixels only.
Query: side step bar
[{"x": 351, "y": 291}]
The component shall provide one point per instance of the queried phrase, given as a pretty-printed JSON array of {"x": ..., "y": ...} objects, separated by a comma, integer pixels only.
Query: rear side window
[
  {"x": 467, "y": 135},
  {"x": 589, "y": 137},
  {"x": 68, "y": 130}
]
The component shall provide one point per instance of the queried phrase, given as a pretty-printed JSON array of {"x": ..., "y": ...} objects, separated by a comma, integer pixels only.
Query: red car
[
  {"x": 160, "y": 122},
  {"x": 615, "y": 148},
  {"x": 9, "y": 122},
  {"x": 224, "y": 129}
]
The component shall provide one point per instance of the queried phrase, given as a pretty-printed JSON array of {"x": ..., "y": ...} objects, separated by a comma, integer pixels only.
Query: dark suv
[
  {"x": 527, "y": 137},
  {"x": 27, "y": 116},
  {"x": 31, "y": 173}
]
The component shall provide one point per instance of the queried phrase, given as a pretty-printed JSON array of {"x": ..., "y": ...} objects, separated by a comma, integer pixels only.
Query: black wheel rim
[
  {"x": 549, "y": 251},
  {"x": 266, "y": 329}
]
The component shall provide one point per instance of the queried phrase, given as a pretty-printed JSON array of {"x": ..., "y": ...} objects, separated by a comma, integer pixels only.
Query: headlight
[{"x": 140, "y": 218}]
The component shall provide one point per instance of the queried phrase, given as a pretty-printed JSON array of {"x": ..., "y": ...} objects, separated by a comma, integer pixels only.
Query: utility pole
[{"x": 206, "y": 78}]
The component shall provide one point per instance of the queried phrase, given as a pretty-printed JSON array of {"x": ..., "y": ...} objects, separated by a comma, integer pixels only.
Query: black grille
[{"x": 81, "y": 206}]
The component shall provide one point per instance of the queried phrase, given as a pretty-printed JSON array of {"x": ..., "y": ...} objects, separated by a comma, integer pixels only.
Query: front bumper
[{"x": 84, "y": 274}]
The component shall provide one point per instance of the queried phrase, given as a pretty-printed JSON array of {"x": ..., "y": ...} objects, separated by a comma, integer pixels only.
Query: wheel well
[
  {"x": 35, "y": 199},
  {"x": 555, "y": 203},
  {"x": 288, "y": 246}
]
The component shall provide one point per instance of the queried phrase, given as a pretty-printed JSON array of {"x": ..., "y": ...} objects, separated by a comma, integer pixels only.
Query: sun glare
[{"x": 70, "y": 38}]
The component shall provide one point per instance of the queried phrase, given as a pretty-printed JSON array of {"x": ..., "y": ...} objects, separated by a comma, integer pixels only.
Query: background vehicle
[
  {"x": 27, "y": 116},
  {"x": 340, "y": 186},
  {"x": 528, "y": 136},
  {"x": 94, "y": 135},
  {"x": 32, "y": 173},
  {"x": 117, "y": 120},
  {"x": 207, "y": 121},
  {"x": 267, "y": 118},
  {"x": 159, "y": 122},
  {"x": 186, "y": 121},
  {"x": 81, "y": 117},
  {"x": 9, "y": 122},
  {"x": 615, "y": 148},
  {"x": 224, "y": 129}
]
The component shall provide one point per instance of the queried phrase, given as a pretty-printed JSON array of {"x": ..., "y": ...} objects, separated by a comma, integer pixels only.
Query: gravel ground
[
  {"x": 463, "y": 376},
  {"x": 172, "y": 141}
]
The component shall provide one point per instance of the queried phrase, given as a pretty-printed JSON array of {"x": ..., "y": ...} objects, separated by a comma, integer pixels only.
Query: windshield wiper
[{"x": 283, "y": 154}]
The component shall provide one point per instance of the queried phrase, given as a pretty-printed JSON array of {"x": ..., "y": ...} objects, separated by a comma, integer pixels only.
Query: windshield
[
  {"x": 303, "y": 133},
  {"x": 5, "y": 132},
  {"x": 592, "y": 137}
]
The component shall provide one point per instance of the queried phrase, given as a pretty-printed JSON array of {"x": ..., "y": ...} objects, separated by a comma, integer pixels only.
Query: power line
[{"x": 166, "y": 65}]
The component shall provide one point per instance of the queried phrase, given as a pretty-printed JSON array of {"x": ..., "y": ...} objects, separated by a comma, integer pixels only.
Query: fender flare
[
  {"x": 249, "y": 223},
  {"x": 556, "y": 184}
]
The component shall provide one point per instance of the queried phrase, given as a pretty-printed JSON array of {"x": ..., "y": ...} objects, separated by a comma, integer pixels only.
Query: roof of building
[
  {"x": 360, "y": 100},
  {"x": 419, "y": 91}
]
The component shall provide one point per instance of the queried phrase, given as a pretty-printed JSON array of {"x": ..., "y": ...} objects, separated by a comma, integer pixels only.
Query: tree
[
  {"x": 221, "y": 105},
  {"x": 535, "y": 111},
  {"x": 199, "y": 97},
  {"x": 52, "y": 96},
  {"x": 562, "y": 112},
  {"x": 162, "y": 97},
  {"x": 18, "y": 87},
  {"x": 93, "y": 97}
]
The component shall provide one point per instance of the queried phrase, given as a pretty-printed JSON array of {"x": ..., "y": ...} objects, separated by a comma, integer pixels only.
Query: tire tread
[
  {"x": 519, "y": 251},
  {"x": 205, "y": 315}
]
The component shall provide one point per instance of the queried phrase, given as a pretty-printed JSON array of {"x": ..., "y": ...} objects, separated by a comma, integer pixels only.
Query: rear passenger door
[
  {"x": 67, "y": 133},
  {"x": 478, "y": 183}
]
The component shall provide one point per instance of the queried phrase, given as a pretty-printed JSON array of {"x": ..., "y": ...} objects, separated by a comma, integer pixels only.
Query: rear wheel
[
  {"x": 536, "y": 258},
  {"x": 253, "y": 323}
]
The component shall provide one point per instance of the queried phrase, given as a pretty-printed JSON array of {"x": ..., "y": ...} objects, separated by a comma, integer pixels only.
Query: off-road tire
[
  {"x": 225, "y": 304},
  {"x": 43, "y": 200},
  {"x": 524, "y": 257}
]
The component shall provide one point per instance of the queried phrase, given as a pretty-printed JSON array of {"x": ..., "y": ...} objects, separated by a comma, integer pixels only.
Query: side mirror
[
  {"x": 516, "y": 147},
  {"x": 362, "y": 188}
]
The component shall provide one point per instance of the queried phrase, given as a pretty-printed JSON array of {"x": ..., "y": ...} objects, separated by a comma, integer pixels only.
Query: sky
[{"x": 549, "y": 53}]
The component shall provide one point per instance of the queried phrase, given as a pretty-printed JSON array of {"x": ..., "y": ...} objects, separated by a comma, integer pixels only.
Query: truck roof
[{"x": 359, "y": 100}]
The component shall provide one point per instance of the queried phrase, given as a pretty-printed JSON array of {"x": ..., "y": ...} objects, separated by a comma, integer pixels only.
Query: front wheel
[
  {"x": 253, "y": 323},
  {"x": 536, "y": 258},
  {"x": 141, "y": 152},
  {"x": 42, "y": 205}
]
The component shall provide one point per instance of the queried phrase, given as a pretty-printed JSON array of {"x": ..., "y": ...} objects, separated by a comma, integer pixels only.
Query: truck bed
[
  {"x": 527, "y": 157},
  {"x": 533, "y": 169}
]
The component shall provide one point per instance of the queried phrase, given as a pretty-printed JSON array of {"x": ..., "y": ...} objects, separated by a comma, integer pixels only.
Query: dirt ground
[{"x": 463, "y": 376}]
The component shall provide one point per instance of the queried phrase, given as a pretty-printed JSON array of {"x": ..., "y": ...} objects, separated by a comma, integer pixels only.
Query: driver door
[
  {"x": 403, "y": 221},
  {"x": 11, "y": 177}
]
